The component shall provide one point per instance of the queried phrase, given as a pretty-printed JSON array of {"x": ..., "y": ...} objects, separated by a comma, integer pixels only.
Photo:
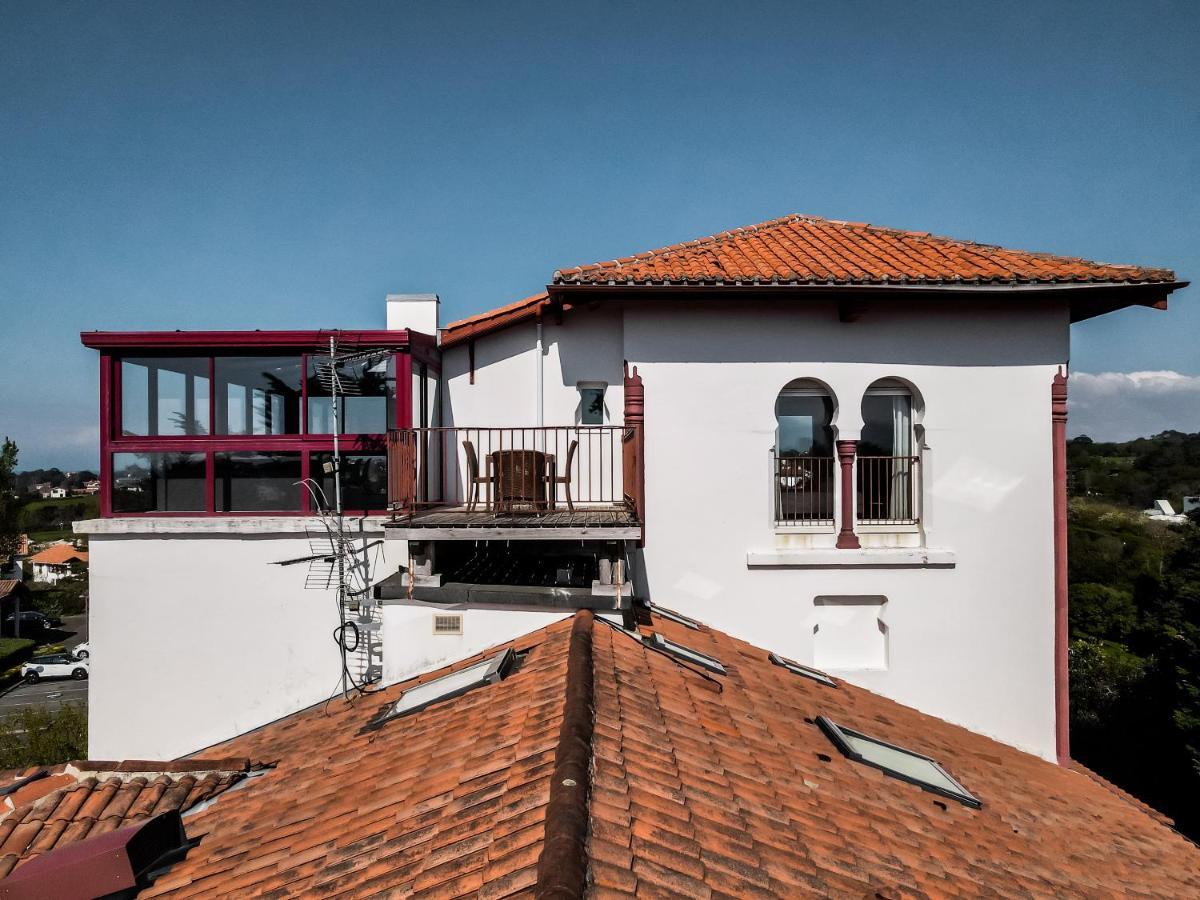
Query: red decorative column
[
  {"x": 633, "y": 445},
  {"x": 1062, "y": 696},
  {"x": 847, "y": 539}
]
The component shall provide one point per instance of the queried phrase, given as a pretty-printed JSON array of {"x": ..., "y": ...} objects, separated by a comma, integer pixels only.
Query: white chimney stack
[{"x": 418, "y": 312}]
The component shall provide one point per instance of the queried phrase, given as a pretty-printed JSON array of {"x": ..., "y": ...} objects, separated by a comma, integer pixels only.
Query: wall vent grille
[{"x": 448, "y": 623}]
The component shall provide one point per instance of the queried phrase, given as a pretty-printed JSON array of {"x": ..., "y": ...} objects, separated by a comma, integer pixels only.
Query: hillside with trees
[{"x": 1135, "y": 620}]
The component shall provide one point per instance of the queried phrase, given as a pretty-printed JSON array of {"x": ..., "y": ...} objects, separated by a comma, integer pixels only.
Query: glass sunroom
[{"x": 230, "y": 423}]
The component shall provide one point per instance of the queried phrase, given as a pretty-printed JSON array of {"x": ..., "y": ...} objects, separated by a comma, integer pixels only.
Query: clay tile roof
[
  {"x": 493, "y": 320},
  {"x": 800, "y": 249},
  {"x": 600, "y": 766},
  {"x": 7, "y": 586},
  {"x": 42, "y": 810},
  {"x": 59, "y": 554}
]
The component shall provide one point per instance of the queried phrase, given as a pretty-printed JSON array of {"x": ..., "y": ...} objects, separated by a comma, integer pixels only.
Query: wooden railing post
[
  {"x": 847, "y": 539},
  {"x": 633, "y": 445},
  {"x": 402, "y": 469}
]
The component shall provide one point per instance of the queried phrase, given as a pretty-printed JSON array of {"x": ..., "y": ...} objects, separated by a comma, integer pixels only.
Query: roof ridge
[{"x": 563, "y": 863}]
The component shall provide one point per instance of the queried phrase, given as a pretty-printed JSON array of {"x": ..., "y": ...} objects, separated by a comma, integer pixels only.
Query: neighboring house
[
  {"x": 843, "y": 442},
  {"x": 595, "y": 765},
  {"x": 14, "y": 566},
  {"x": 55, "y": 562},
  {"x": 1162, "y": 511},
  {"x": 43, "y": 489}
]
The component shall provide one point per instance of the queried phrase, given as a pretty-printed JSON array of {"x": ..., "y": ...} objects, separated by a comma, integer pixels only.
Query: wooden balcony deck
[{"x": 616, "y": 522}]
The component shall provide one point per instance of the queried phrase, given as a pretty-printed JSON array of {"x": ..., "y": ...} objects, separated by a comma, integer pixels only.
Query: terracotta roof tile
[
  {"x": 83, "y": 799},
  {"x": 59, "y": 554},
  {"x": 800, "y": 249},
  {"x": 696, "y": 791},
  {"x": 810, "y": 251}
]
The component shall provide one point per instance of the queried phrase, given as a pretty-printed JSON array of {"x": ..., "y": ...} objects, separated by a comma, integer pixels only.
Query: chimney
[{"x": 418, "y": 312}]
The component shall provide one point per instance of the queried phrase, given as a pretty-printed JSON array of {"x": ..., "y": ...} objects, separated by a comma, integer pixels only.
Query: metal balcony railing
[
  {"x": 888, "y": 490},
  {"x": 804, "y": 488},
  {"x": 515, "y": 470}
]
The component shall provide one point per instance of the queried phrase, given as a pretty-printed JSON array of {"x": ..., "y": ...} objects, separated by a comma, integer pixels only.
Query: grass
[{"x": 10, "y": 646}]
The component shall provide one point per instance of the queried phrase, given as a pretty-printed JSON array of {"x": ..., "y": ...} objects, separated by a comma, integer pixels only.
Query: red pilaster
[
  {"x": 1062, "y": 697},
  {"x": 633, "y": 445},
  {"x": 847, "y": 539}
]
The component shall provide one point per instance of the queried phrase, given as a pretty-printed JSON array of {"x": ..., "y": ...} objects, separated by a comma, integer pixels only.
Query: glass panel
[
  {"x": 804, "y": 425},
  {"x": 591, "y": 406},
  {"x": 257, "y": 481},
  {"x": 887, "y": 425},
  {"x": 368, "y": 395},
  {"x": 902, "y": 762},
  {"x": 364, "y": 480},
  {"x": 158, "y": 482},
  {"x": 164, "y": 396},
  {"x": 462, "y": 680},
  {"x": 258, "y": 395}
]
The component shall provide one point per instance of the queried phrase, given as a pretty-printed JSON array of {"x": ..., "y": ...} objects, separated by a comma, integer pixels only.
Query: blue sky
[{"x": 282, "y": 165}]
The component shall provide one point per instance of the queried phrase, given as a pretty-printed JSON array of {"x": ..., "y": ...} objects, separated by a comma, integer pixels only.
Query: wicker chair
[
  {"x": 474, "y": 479},
  {"x": 565, "y": 478}
]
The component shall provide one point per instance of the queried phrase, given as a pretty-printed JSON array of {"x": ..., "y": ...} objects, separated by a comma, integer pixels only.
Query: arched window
[
  {"x": 804, "y": 467},
  {"x": 887, "y": 456}
]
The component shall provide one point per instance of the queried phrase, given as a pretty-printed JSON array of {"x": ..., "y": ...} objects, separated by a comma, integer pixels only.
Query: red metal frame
[{"x": 116, "y": 345}]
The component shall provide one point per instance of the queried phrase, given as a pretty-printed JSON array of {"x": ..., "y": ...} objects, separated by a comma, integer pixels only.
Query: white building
[
  {"x": 56, "y": 562},
  {"x": 842, "y": 442}
]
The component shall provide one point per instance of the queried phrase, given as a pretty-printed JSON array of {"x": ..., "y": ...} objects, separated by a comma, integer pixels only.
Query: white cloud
[{"x": 1120, "y": 406}]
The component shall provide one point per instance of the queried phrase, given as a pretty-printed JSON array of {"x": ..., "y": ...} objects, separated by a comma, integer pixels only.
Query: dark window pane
[
  {"x": 364, "y": 480},
  {"x": 887, "y": 425},
  {"x": 367, "y": 394},
  {"x": 804, "y": 425},
  {"x": 158, "y": 482},
  {"x": 258, "y": 395},
  {"x": 257, "y": 482},
  {"x": 591, "y": 406},
  {"x": 164, "y": 396}
]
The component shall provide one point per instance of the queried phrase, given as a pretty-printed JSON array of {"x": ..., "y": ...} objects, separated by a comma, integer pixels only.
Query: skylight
[
  {"x": 674, "y": 616},
  {"x": 897, "y": 762},
  {"x": 801, "y": 669},
  {"x": 686, "y": 653},
  {"x": 419, "y": 696}
]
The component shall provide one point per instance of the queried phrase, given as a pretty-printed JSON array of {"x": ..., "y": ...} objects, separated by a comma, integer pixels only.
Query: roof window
[
  {"x": 419, "y": 696},
  {"x": 897, "y": 762},
  {"x": 800, "y": 669},
  {"x": 673, "y": 616},
  {"x": 685, "y": 653}
]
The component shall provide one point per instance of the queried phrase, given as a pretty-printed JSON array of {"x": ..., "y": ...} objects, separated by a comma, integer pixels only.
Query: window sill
[
  {"x": 246, "y": 523},
  {"x": 896, "y": 528},
  {"x": 866, "y": 558}
]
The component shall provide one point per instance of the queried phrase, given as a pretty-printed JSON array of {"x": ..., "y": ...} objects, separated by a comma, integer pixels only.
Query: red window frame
[{"x": 116, "y": 346}]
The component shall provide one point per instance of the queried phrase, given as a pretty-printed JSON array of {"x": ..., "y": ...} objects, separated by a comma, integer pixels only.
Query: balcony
[
  {"x": 577, "y": 481},
  {"x": 886, "y": 491}
]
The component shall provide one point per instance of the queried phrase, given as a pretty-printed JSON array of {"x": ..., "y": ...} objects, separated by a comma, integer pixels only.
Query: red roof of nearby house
[
  {"x": 58, "y": 555},
  {"x": 698, "y": 787},
  {"x": 811, "y": 252},
  {"x": 801, "y": 249},
  {"x": 75, "y": 801}
]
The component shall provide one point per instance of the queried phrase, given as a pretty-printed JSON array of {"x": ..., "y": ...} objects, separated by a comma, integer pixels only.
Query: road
[{"x": 51, "y": 693}]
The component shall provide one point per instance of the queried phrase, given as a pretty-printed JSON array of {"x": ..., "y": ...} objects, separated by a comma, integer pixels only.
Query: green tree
[{"x": 10, "y": 509}]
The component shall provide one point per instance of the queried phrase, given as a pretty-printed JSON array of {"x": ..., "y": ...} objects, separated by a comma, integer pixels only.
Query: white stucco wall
[
  {"x": 197, "y": 638},
  {"x": 972, "y": 643}
]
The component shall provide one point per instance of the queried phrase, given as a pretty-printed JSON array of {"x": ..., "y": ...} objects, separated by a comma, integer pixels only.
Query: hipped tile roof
[
  {"x": 691, "y": 787},
  {"x": 800, "y": 249},
  {"x": 59, "y": 554},
  {"x": 85, "y": 799}
]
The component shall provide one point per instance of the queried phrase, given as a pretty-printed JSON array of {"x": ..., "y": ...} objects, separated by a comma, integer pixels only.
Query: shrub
[{"x": 38, "y": 736}]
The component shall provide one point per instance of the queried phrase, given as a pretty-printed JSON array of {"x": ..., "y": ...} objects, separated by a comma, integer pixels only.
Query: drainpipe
[
  {"x": 1062, "y": 694},
  {"x": 540, "y": 374}
]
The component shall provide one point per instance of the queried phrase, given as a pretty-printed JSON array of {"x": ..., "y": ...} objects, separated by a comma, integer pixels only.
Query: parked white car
[
  {"x": 58, "y": 665},
  {"x": 82, "y": 651}
]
